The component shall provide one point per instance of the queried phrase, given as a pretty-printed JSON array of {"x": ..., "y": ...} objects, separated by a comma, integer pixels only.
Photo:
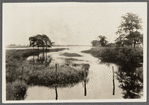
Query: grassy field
[{"x": 20, "y": 73}]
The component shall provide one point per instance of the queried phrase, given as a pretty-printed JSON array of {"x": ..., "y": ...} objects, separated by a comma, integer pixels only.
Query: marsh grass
[
  {"x": 16, "y": 90},
  {"x": 21, "y": 73},
  {"x": 65, "y": 75},
  {"x": 22, "y": 54}
]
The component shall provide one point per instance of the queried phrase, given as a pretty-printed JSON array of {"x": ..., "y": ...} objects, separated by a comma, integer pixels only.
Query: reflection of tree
[
  {"x": 56, "y": 93},
  {"x": 43, "y": 60},
  {"x": 86, "y": 80},
  {"x": 131, "y": 82}
]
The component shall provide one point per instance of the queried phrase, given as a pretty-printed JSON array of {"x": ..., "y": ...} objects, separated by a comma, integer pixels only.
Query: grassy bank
[
  {"x": 124, "y": 55},
  {"x": 64, "y": 75},
  {"x": 20, "y": 73}
]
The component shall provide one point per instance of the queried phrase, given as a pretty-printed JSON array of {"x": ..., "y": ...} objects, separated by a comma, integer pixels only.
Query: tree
[
  {"x": 95, "y": 43},
  {"x": 103, "y": 40},
  {"x": 32, "y": 41},
  {"x": 47, "y": 41},
  {"x": 40, "y": 41},
  {"x": 110, "y": 45},
  {"x": 130, "y": 27}
]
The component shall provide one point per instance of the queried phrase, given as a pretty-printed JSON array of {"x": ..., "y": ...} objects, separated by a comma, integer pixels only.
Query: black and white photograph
[{"x": 74, "y": 52}]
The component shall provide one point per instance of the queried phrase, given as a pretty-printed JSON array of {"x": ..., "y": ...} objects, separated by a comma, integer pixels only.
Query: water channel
[{"x": 99, "y": 84}]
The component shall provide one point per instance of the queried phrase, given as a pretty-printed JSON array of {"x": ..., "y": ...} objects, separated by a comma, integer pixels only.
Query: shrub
[{"x": 16, "y": 90}]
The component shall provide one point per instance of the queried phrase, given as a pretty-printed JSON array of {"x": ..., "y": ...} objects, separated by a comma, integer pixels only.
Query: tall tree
[
  {"x": 40, "y": 41},
  {"x": 103, "y": 40},
  {"x": 130, "y": 27},
  {"x": 47, "y": 41},
  {"x": 32, "y": 41}
]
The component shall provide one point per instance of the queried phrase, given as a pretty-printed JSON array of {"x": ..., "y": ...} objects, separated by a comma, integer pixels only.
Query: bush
[{"x": 16, "y": 90}]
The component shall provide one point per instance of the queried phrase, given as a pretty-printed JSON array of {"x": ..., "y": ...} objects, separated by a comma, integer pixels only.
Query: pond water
[{"x": 98, "y": 86}]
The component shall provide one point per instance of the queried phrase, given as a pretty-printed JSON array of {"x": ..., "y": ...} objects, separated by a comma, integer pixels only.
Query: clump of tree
[
  {"x": 95, "y": 43},
  {"x": 129, "y": 30},
  {"x": 111, "y": 45},
  {"x": 101, "y": 42},
  {"x": 40, "y": 41}
]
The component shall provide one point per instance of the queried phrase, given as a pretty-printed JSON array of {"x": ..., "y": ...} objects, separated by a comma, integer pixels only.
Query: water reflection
[
  {"x": 85, "y": 92},
  {"x": 42, "y": 60},
  {"x": 131, "y": 79},
  {"x": 85, "y": 81},
  {"x": 113, "y": 81}
]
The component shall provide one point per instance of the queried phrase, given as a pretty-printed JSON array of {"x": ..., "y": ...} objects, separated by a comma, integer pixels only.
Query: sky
[{"x": 69, "y": 23}]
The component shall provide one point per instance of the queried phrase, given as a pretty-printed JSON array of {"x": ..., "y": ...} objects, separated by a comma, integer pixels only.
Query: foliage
[
  {"x": 40, "y": 41},
  {"x": 131, "y": 82},
  {"x": 16, "y": 90},
  {"x": 95, "y": 43},
  {"x": 103, "y": 40},
  {"x": 120, "y": 56},
  {"x": 129, "y": 30},
  {"x": 111, "y": 45}
]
